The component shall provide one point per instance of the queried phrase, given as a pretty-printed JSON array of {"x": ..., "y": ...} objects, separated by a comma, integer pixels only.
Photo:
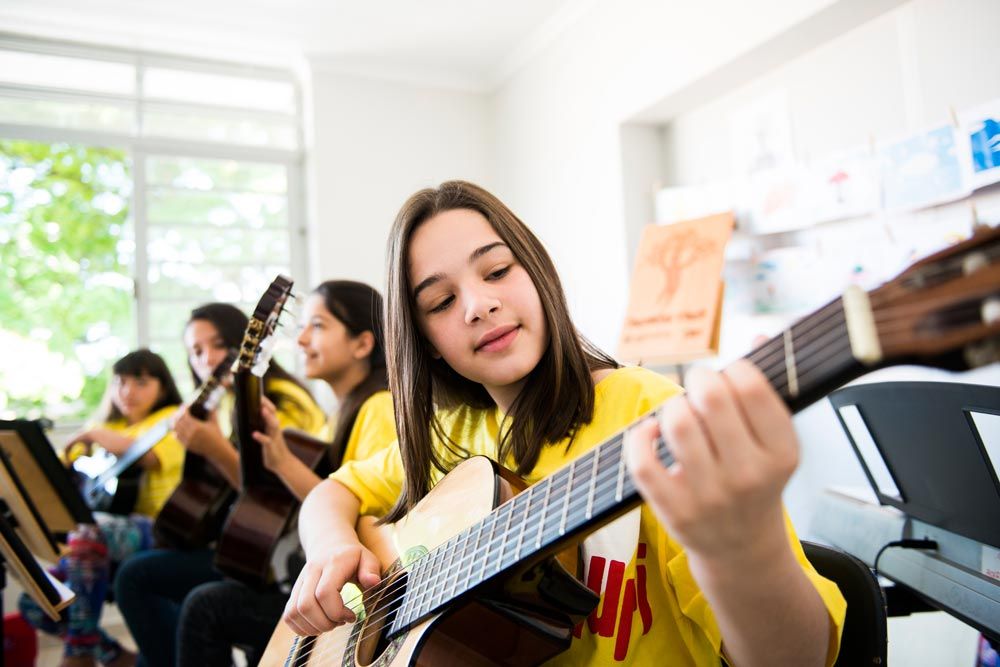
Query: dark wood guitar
[
  {"x": 115, "y": 488},
  {"x": 470, "y": 574},
  {"x": 264, "y": 509},
  {"x": 193, "y": 514}
]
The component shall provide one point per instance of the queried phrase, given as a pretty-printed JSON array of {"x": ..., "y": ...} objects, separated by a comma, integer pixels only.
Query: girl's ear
[
  {"x": 364, "y": 344},
  {"x": 433, "y": 350}
]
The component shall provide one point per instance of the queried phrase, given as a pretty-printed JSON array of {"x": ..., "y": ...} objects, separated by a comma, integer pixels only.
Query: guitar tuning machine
[
  {"x": 982, "y": 353},
  {"x": 991, "y": 310},
  {"x": 975, "y": 262}
]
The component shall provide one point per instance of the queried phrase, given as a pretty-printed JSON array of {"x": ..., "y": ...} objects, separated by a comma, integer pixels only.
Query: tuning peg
[
  {"x": 991, "y": 310},
  {"x": 982, "y": 353},
  {"x": 974, "y": 262}
]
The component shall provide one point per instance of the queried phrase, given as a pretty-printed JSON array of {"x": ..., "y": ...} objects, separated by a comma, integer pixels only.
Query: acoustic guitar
[
  {"x": 111, "y": 484},
  {"x": 264, "y": 509},
  {"x": 192, "y": 516},
  {"x": 470, "y": 574}
]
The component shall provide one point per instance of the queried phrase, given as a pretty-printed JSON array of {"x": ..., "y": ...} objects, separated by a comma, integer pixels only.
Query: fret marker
[
  {"x": 861, "y": 329},
  {"x": 793, "y": 377}
]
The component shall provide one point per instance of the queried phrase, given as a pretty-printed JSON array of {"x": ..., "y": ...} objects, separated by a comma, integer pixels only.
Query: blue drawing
[
  {"x": 986, "y": 145},
  {"x": 922, "y": 170}
]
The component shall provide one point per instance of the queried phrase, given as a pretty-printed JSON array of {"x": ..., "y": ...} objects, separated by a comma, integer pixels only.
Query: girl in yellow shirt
[
  {"x": 142, "y": 394},
  {"x": 483, "y": 358},
  {"x": 150, "y": 587},
  {"x": 341, "y": 341}
]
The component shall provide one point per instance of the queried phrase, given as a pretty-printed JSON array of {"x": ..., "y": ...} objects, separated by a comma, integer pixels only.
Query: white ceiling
[{"x": 469, "y": 44}]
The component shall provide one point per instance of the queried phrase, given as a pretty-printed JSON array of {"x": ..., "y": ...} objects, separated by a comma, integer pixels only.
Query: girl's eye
[
  {"x": 443, "y": 305},
  {"x": 499, "y": 273}
]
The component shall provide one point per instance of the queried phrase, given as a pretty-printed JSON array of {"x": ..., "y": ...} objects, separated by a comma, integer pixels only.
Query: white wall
[
  {"x": 557, "y": 123},
  {"x": 561, "y": 133},
  {"x": 373, "y": 144}
]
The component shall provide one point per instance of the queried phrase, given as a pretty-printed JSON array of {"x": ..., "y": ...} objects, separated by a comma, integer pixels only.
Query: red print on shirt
[{"x": 620, "y": 599}]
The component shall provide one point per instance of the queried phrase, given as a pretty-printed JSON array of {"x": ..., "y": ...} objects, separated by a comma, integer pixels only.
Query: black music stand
[
  {"x": 29, "y": 465},
  {"x": 926, "y": 455}
]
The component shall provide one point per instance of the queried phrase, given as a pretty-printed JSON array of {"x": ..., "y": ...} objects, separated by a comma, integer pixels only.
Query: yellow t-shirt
[
  {"x": 155, "y": 486},
  {"x": 651, "y": 610},
  {"x": 295, "y": 406},
  {"x": 374, "y": 427}
]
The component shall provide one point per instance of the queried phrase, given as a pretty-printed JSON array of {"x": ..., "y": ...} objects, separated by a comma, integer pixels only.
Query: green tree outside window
[{"x": 66, "y": 263}]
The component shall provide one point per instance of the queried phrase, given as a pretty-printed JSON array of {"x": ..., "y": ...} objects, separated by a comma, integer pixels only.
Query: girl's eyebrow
[{"x": 476, "y": 254}]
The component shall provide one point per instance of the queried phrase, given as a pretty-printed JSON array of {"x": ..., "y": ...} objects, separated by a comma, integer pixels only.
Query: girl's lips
[{"x": 501, "y": 342}]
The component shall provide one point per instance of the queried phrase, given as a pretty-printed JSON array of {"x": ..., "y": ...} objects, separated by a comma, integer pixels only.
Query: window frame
[{"x": 139, "y": 147}]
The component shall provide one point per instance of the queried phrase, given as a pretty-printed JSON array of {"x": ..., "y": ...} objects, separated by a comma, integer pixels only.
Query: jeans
[
  {"x": 150, "y": 588},
  {"x": 85, "y": 568},
  {"x": 220, "y": 615}
]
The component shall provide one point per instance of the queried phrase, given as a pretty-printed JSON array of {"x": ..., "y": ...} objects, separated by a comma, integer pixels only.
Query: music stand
[
  {"x": 37, "y": 486},
  {"x": 51, "y": 594},
  {"x": 923, "y": 452}
]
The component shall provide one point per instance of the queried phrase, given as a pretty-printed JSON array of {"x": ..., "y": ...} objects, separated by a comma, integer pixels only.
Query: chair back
[{"x": 863, "y": 642}]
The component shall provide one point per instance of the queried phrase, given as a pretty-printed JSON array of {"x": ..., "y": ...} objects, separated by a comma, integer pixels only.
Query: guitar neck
[
  {"x": 801, "y": 364},
  {"x": 249, "y": 391},
  {"x": 811, "y": 358},
  {"x": 139, "y": 448}
]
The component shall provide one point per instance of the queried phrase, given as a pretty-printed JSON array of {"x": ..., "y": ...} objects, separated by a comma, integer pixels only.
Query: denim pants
[
  {"x": 150, "y": 588},
  {"x": 224, "y": 614},
  {"x": 86, "y": 567}
]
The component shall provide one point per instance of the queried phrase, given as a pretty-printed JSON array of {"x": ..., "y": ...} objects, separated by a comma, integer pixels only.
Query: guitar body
[
  {"x": 261, "y": 516},
  {"x": 118, "y": 496},
  {"x": 193, "y": 516},
  {"x": 522, "y": 618}
]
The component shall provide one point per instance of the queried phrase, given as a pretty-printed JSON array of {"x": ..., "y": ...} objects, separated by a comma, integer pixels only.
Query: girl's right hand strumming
[
  {"x": 315, "y": 604},
  {"x": 198, "y": 436}
]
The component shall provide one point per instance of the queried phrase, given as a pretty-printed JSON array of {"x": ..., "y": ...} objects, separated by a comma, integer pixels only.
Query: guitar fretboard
[{"x": 801, "y": 364}]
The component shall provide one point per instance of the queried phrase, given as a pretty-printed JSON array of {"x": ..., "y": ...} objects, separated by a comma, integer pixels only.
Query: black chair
[{"x": 863, "y": 642}]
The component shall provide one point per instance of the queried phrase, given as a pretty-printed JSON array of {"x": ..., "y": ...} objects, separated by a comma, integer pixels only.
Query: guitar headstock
[
  {"x": 945, "y": 309},
  {"x": 257, "y": 347},
  {"x": 210, "y": 391}
]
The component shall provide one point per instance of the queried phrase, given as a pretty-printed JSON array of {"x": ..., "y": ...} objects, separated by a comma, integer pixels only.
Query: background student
[
  {"x": 141, "y": 395},
  {"x": 341, "y": 341},
  {"x": 150, "y": 587}
]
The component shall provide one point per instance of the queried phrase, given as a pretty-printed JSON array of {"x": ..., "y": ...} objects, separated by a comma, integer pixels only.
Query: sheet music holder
[
  {"x": 32, "y": 472},
  {"x": 48, "y": 592},
  {"x": 921, "y": 447},
  {"x": 16, "y": 506}
]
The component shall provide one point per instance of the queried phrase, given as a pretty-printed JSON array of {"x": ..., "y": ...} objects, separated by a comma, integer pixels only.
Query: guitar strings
[
  {"x": 434, "y": 580},
  {"x": 601, "y": 492},
  {"x": 491, "y": 545}
]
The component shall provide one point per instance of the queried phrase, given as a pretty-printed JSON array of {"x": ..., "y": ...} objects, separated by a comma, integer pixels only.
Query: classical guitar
[
  {"x": 470, "y": 573},
  {"x": 264, "y": 509},
  {"x": 194, "y": 512},
  {"x": 111, "y": 484}
]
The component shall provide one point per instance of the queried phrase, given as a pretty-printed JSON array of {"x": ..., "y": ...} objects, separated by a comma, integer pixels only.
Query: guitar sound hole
[
  {"x": 302, "y": 652},
  {"x": 374, "y": 645}
]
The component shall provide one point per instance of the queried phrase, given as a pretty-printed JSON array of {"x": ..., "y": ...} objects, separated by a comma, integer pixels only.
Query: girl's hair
[
  {"x": 556, "y": 400},
  {"x": 146, "y": 362},
  {"x": 231, "y": 324},
  {"x": 359, "y": 308}
]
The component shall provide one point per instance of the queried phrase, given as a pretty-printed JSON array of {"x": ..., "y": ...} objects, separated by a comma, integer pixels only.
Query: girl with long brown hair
[{"x": 484, "y": 360}]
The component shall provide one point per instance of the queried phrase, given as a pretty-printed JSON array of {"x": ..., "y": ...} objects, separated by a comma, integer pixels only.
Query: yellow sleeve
[
  {"x": 377, "y": 480},
  {"x": 296, "y": 407},
  {"x": 158, "y": 484},
  {"x": 695, "y": 607},
  {"x": 374, "y": 428}
]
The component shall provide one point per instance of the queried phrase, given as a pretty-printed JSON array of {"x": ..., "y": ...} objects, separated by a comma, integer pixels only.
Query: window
[{"x": 133, "y": 187}]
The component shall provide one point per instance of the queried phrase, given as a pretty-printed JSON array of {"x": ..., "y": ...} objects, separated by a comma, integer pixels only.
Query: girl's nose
[{"x": 480, "y": 307}]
